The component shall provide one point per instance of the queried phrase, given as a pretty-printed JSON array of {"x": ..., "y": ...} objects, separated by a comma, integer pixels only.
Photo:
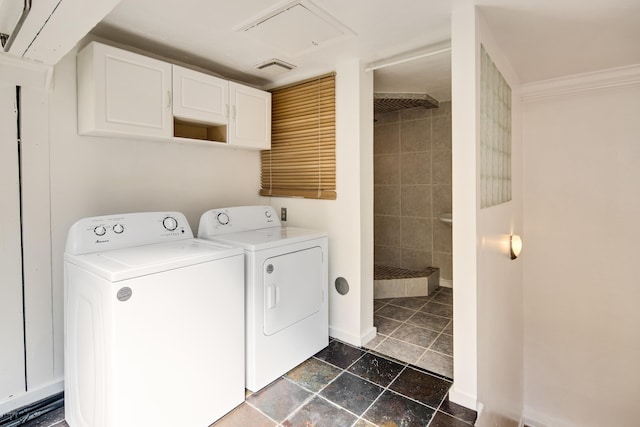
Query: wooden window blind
[{"x": 302, "y": 159}]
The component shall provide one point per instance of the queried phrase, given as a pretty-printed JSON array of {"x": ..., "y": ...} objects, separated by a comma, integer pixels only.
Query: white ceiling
[{"x": 542, "y": 38}]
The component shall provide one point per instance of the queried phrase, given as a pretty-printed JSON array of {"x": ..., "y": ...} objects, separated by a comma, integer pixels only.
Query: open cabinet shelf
[{"x": 203, "y": 132}]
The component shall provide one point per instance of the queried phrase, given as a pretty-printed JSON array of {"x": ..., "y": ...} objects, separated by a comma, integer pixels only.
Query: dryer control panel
[
  {"x": 104, "y": 233},
  {"x": 236, "y": 219}
]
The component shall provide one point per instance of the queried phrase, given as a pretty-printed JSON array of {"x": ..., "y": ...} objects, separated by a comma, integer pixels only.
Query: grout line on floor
[
  {"x": 386, "y": 388},
  {"x": 254, "y": 407},
  {"x": 405, "y": 322},
  {"x": 346, "y": 370}
]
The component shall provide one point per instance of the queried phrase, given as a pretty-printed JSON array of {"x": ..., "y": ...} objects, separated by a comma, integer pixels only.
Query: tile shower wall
[{"x": 412, "y": 188}]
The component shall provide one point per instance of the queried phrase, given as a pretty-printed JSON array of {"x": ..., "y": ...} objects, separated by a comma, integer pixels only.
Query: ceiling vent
[
  {"x": 275, "y": 67},
  {"x": 296, "y": 28}
]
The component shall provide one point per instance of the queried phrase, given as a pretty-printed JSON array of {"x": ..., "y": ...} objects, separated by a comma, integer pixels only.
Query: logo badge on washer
[
  {"x": 124, "y": 293},
  {"x": 269, "y": 268}
]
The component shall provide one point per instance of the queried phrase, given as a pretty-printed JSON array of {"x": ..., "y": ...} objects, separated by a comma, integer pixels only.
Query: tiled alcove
[{"x": 412, "y": 188}]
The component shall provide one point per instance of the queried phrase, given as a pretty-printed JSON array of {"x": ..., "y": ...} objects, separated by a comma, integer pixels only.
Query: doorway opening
[{"x": 413, "y": 286}]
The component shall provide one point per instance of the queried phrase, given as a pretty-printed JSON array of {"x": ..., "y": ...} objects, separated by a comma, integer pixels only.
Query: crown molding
[{"x": 616, "y": 77}]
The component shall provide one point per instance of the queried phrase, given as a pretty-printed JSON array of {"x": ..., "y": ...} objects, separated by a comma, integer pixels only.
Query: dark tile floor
[
  {"x": 417, "y": 330},
  {"x": 342, "y": 386},
  {"x": 402, "y": 378},
  {"x": 348, "y": 386}
]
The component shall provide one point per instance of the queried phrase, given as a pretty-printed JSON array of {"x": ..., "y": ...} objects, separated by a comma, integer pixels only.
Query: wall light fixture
[{"x": 515, "y": 245}]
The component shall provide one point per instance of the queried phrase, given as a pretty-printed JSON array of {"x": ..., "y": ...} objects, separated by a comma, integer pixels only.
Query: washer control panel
[
  {"x": 105, "y": 233},
  {"x": 236, "y": 219}
]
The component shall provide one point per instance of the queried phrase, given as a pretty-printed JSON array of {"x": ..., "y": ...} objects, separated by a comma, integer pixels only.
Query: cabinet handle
[
  {"x": 169, "y": 100},
  {"x": 8, "y": 39}
]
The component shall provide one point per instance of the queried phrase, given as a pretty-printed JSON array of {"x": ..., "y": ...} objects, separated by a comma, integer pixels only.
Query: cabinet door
[
  {"x": 199, "y": 97},
  {"x": 123, "y": 93},
  {"x": 250, "y": 118}
]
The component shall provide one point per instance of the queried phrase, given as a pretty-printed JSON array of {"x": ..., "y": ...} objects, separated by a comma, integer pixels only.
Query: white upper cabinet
[
  {"x": 250, "y": 117},
  {"x": 199, "y": 97},
  {"x": 121, "y": 92}
]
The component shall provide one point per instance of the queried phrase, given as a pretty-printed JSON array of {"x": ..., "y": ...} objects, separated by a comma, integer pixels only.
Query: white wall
[
  {"x": 36, "y": 224},
  {"x": 349, "y": 218},
  {"x": 38, "y": 344},
  {"x": 582, "y": 205},
  {"x": 97, "y": 176},
  {"x": 11, "y": 331},
  {"x": 500, "y": 281},
  {"x": 488, "y": 332}
]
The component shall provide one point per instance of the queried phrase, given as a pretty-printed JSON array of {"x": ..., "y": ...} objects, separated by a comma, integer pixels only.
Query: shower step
[{"x": 396, "y": 282}]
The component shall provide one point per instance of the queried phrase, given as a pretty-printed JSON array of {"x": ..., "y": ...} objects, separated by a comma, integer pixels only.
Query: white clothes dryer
[
  {"x": 154, "y": 323},
  {"x": 286, "y": 276}
]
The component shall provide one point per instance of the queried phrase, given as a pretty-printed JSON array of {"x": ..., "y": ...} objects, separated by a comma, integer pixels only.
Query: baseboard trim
[
  {"x": 368, "y": 335},
  {"x": 446, "y": 283},
  {"x": 345, "y": 336},
  {"x": 481, "y": 414},
  {"x": 464, "y": 399},
  {"x": 532, "y": 418},
  {"x": 530, "y": 423},
  {"x": 31, "y": 396},
  {"x": 357, "y": 340},
  {"x": 27, "y": 415}
]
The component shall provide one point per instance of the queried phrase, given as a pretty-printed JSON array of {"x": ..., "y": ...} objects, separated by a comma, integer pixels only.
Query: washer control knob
[
  {"x": 100, "y": 230},
  {"x": 118, "y": 228},
  {"x": 223, "y": 218},
  {"x": 267, "y": 214},
  {"x": 170, "y": 223}
]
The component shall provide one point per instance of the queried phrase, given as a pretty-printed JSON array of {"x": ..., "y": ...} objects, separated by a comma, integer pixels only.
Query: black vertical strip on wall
[{"x": 19, "y": 147}]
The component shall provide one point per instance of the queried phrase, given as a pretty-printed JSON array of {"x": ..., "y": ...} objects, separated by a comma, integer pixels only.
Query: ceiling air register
[{"x": 312, "y": 26}]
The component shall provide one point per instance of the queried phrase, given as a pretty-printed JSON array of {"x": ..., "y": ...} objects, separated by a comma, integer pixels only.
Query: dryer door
[{"x": 292, "y": 288}]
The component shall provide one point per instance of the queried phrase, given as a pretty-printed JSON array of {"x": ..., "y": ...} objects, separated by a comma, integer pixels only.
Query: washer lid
[
  {"x": 265, "y": 238},
  {"x": 127, "y": 263}
]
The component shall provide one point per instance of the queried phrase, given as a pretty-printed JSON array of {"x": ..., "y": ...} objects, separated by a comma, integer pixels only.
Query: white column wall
[
  {"x": 367, "y": 330},
  {"x": 349, "y": 218},
  {"x": 464, "y": 153},
  {"x": 11, "y": 326},
  {"x": 488, "y": 333},
  {"x": 42, "y": 379},
  {"x": 500, "y": 279},
  {"x": 36, "y": 224}
]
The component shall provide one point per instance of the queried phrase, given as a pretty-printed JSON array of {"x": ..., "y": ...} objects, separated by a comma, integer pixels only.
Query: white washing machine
[
  {"x": 154, "y": 323},
  {"x": 286, "y": 278}
]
